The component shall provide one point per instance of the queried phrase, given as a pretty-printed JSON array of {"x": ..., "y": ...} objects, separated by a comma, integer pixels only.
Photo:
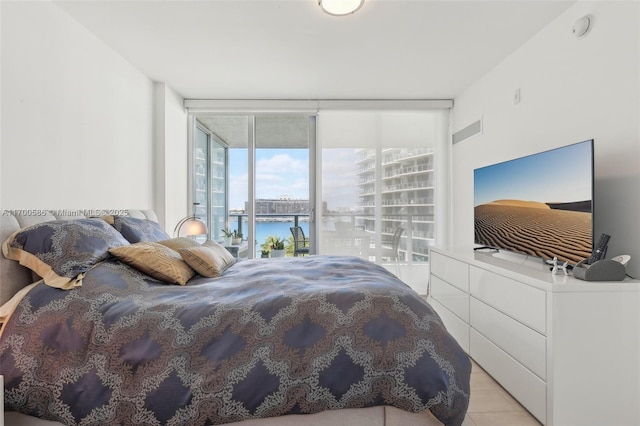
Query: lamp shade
[
  {"x": 340, "y": 7},
  {"x": 190, "y": 226}
]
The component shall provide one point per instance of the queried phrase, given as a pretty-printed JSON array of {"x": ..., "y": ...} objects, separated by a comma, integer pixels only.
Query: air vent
[{"x": 471, "y": 130}]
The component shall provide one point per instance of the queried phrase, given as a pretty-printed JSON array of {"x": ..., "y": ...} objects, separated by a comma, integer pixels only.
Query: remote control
[{"x": 599, "y": 249}]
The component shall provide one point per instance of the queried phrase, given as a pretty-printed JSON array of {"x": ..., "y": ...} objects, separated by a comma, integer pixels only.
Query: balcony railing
[
  {"x": 408, "y": 170},
  {"x": 414, "y": 243},
  {"x": 238, "y": 219},
  {"x": 406, "y": 153}
]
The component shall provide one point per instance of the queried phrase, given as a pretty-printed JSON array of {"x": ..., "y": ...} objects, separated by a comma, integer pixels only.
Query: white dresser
[{"x": 567, "y": 350}]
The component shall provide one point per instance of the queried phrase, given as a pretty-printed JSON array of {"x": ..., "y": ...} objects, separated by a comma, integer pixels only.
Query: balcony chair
[
  {"x": 300, "y": 243},
  {"x": 350, "y": 239},
  {"x": 391, "y": 253}
]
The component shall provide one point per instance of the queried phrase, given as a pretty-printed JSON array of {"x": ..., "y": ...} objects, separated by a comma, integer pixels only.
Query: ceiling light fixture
[{"x": 340, "y": 7}]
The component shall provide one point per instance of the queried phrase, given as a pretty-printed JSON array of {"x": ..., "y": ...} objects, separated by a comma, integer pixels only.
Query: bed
[{"x": 319, "y": 340}]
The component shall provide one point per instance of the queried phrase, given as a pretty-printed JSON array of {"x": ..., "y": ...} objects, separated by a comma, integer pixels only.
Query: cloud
[
  {"x": 291, "y": 186},
  {"x": 283, "y": 175},
  {"x": 281, "y": 162}
]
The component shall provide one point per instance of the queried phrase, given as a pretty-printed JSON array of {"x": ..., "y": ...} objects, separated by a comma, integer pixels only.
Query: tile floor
[{"x": 491, "y": 405}]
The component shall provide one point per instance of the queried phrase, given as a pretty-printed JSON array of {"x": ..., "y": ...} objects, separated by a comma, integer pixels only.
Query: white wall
[
  {"x": 170, "y": 167},
  {"x": 1, "y": 61},
  {"x": 76, "y": 117},
  {"x": 571, "y": 90}
]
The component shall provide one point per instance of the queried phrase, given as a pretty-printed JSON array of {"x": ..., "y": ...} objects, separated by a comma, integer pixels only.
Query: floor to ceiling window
[{"x": 377, "y": 177}]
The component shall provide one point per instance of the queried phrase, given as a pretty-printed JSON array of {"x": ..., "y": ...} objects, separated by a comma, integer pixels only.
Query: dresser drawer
[
  {"x": 451, "y": 297},
  {"x": 450, "y": 270},
  {"x": 525, "y": 386},
  {"x": 524, "y": 344},
  {"x": 520, "y": 301},
  {"x": 455, "y": 326}
]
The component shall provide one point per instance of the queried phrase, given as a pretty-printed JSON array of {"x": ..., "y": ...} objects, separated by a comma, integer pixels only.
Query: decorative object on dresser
[{"x": 566, "y": 349}]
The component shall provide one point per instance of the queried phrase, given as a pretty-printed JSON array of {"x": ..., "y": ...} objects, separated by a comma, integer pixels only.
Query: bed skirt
[{"x": 372, "y": 416}]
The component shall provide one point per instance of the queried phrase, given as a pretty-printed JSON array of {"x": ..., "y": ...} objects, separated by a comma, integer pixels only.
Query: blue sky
[
  {"x": 279, "y": 173},
  {"x": 560, "y": 175}
]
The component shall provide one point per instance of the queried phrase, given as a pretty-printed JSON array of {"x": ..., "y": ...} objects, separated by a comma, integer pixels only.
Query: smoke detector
[{"x": 582, "y": 26}]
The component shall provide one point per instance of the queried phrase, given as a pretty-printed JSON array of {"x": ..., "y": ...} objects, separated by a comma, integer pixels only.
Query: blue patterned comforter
[{"x": 270, "y": 337}]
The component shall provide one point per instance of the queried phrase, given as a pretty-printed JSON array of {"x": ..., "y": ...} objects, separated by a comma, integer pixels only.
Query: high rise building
[
  {"x": 396, "y": 189},
  {"x": 284, "y": 205}
]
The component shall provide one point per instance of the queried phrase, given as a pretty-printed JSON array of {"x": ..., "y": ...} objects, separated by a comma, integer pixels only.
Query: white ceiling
[{"x": 290, "y": 49}]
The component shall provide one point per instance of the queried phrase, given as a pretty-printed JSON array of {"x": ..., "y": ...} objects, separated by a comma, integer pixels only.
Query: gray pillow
[
  {"x": 61, "y": 251},
  {"x": 136, "y": 230}
]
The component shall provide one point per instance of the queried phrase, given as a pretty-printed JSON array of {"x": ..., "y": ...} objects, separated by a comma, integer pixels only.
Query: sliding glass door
[
  {"x": 282, "y": 170},
  {"x": 266, "y": 186}
]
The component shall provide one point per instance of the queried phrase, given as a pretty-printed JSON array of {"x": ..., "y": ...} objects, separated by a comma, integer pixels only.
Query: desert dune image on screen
[{"x": 540, "y": 205}]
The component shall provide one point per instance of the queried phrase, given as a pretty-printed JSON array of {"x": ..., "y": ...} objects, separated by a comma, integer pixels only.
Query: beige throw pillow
[
  {"x": 209, "y": 259},
  {"x": 156, "y": 260},
  {"x": 179, "y": 242}
]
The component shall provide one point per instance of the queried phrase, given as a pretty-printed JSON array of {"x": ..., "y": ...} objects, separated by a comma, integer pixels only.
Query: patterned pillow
[
  {"x": 61, "y": 251},
  {"x": 155, "y": 260},
  {"x": 179, "y": 242},
  {"x": 209, "y": 259},
  {"x": 136, "y": 230}
]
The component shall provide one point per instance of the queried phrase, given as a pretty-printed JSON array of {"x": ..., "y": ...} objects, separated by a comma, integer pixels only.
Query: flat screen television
[{"x": 540, "y": 205}]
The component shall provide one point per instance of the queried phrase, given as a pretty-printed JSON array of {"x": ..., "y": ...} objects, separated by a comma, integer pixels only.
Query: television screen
[{"x": 540, "y": 205}]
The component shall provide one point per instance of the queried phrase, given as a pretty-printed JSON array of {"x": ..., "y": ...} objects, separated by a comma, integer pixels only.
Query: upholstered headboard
[{"x": 14, "y": 276}]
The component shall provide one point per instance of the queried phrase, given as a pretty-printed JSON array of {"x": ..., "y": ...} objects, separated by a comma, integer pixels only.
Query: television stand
[{"x": 566, "y": 349}]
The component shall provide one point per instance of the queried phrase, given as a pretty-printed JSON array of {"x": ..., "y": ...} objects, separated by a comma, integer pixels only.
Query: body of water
[
  {"x": 280, "y": 229},
  {"x": 275, "y": 229}
]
